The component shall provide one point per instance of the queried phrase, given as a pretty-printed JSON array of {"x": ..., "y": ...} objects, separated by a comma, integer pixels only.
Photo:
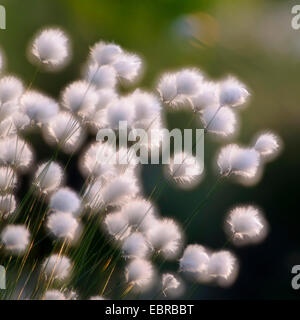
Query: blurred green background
[{"x": 251, "y": 39}]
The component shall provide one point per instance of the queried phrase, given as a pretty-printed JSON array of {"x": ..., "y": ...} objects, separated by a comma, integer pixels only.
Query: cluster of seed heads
[{"x": 112, "y": 192}]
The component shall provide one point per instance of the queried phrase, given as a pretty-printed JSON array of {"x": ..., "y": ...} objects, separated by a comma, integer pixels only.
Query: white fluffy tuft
[
  {"x": 48, "y": 177},
  {"x": 15, "y": 238},
  {"x": 51, "y": 47},
  {"x": 65, "y": 200},
  {"x": 139, "y": 272},
  {"x": 57, "y": 267},
  {"x": 62, "y": 225}
]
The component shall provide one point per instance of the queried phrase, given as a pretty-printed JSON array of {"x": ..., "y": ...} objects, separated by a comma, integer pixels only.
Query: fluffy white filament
[
  {"x": 128, "y": 66},
  {"x": 167, "y": 88},
  {"x": 221, "y": 264},
  {"x": 38, "y": 107},
  {"x": 239, "y": 161},
  {"x": 57, "y": 267},
  {"x": 95, "y": 162},
  {"x": 65, "y": 200},
  {"x": 185, "y": 169},
  {"x": 139, "y": 272},
  {"x": 139, "y": 213},
  {"x": 20, "y": 120},
  {"x": 188, "y": 82},
  {"x": 48, "y": 177},
  {"x": 1, "y": 61},
  {"x": 119, "y": 189},
  {"x": 97, "y": 298},
  {"x": 54, "y": 295},
  {"x": 165, "y": 237},
  {"x": 195, "y": 259},
  {"x": 7, "y": 128},
  {"x": 221, "y": 121},
  {"x": 135, "y": 246},
  {"x": 232, "y": 93},
  {"x": 169, "y": 282},
  {"x": 103, "y": 77},
  {"x": 7, "y": 205},
  {"x": 15, "y": 152},
  {"x": 62, "y": 225},
  {"x": 208, "y": 95},
  {"x": 64, "y": 130},
  {"x": 51, "y": 47},
  {"x": 146, "y": 106},
  {"x": 267, "y": 144},
  {"x": 8, "y": 179},
  {"x": 120, "y": 110},
  {"x": 246, "y": 223},
  {"x": 105, "y": 53},
  {"x": 178, "y": 87},
  {"x": 81, "y": 98},
  {"x": 15, "y": 238},
  {"x": 116, "y": 225},
  {"x": 92, "y": 196},
  {"x": 11, "y": 89}
]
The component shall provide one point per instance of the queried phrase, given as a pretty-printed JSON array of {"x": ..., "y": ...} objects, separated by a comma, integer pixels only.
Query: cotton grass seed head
[
  {"x": 195, "y": 259},
  {"x": 232, "y": 93},
  {"x": 7, "y": 205},
  {"x": 97, "y": 161},
  {"x": 65, "y": 200},
  {"x": 128, "y": 66},
  {"x": 246, "y": 225},
  {"x": 188, "y": 82},
  {"x": 185, "y": 169},
  {"x": 208, "y": 95},
  {"x": 139, "y": 213},
  {"x": 62, "y": 225},
  {"x": 170, "y": 284},
  {"x": 15, "y": 152},
  {"x": 38, "y": 107},
  {"x": 140, "y": 273},
  {"x": 167, "y": 87},
  {"x": 57, "y": 267},
  {"x": 51, "y": 48},
  {"x": 221, "y": 121},
  {"x": 92, "y": 196},
  {"x": 119, "y": 189},
  {"x": 7, "y": 128},
  {"x": 165, "y": 237},
  {"x": 11, "y": 89},
  {"x": 48, "y": 177},
  {"x": 221, "y": 264},
  {"x": 64, "y": 130},
  {"x": 81, "y": 98},
  {"x": 243, "y": 162},
  {"x": 54, "y": 295},
  {"x": 15, "y": 238},
  {"x": 116, "y": 225},
  {"x": 8, "y": 179},
  {"x": 103, "y": 77},
  {"x": 105, "y": 53},
  {"x": 97, "y": 298},
  {"x": 146, "y": 106},
  {"x": 120, "y": 110},
  {"x": 267, "y": 144},
  {"x": 2, "y": 62},
  {"x": 105, "y": 97},
  {"x": 135, "y": 246},
  {"x": 21, "y": 121}
]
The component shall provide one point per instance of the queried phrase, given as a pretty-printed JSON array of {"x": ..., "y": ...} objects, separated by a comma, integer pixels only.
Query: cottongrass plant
[{"x": 108, "y": 230}]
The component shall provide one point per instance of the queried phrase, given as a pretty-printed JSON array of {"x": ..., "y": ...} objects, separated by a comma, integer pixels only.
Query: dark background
[{"x": 250, "y": 39}]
